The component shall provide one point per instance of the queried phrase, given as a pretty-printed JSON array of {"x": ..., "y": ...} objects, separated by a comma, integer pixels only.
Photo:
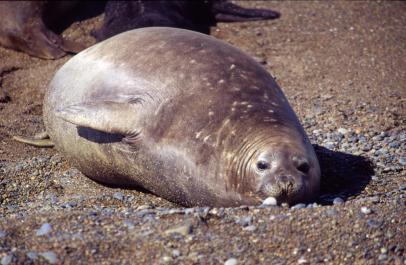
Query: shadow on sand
[{"x": 342, "y": 175}]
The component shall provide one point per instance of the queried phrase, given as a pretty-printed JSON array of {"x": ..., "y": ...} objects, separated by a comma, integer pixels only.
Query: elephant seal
[
  {"x": 121, "y": 16},
  {"x": 30, "y": 26},
  {"x": 183, "y": 115},
  {"x": 22, "y": 28}
]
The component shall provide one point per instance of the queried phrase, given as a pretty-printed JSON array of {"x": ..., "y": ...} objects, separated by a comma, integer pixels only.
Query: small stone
[
  {"x": 299, "y": 206},
  {"x": 2, "y": 234},
  {"x": 250, "y": 228},
  {"x": 118, "y": 195},
  {"x": 260, "y": 60},
  {"x": 337, "y": 201},
  {"x": 366, "y": 147},
  {"x": 402, "y": 161},
  {"x": 130, "y": 225},
  {"x": 377, "y": 138},
  {"x": 50, "y": 256},
  {"x": 231, "y": 261},
  {"x": 69, "y": 205},
  {"x": 32, "y": 255},
  {"x": 303, "y": 261},
  {"x": 342, "y": 131},
  {"x": 317, "y": 132},
  {"x": 384, "y": 250},
  {"x": 6, "y": 260},
  {"x": 167, "y": 259},
  {"x": 394, "y": 144},
  {"x": 270, "y": 201},
  {"x": 329, "y": 145},
  {"x": 244, "y": 221},
  {"x": 175, "y": 253},
  {"x": 144, "y": 207},
  {"x": 45, "y": 229},
  {"x": 382, "y": 257},
  {"x": 184, "y": 230},
  {"x": 366, "y": 210}
]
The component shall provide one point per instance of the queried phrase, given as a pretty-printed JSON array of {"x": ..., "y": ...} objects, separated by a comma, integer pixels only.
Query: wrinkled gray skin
[{"x": 183, "y": 115}]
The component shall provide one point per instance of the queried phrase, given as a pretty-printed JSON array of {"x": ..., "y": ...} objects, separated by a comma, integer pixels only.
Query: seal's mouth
[{"x": 288, "y": 194}]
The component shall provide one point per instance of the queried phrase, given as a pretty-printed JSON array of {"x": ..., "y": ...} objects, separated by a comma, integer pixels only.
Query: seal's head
[
  {"x": 283, "y": 166},
  {"x": 286, "y": 172}
]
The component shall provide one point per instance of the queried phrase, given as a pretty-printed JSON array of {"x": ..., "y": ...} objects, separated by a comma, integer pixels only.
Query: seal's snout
[{"x": 286, "y": 183}]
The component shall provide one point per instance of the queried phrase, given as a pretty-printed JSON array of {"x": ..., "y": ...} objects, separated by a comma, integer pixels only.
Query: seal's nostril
[{"x": 285, "y": 182}]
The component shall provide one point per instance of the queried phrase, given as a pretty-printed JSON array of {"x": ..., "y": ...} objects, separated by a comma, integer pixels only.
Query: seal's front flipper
[
  {"x": 105, "y": 116},
  {"x": 39, "y": 140},
  {"x": 225, "y": 11}
]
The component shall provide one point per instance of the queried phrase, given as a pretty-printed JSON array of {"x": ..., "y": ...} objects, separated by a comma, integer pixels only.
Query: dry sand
[{"x": 342, "y": 66}]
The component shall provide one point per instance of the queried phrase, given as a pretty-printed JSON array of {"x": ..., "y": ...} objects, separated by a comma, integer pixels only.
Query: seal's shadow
[{"x": 342, "y": 175}]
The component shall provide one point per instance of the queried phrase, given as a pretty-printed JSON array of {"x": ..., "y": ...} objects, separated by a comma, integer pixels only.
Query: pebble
[
  {"x": 231, "y": 261},
  {"x": 394, "y": 144},
  {"x": 250, "y": 228},
  {"x": 50, "y": 256},
  {"x": 130, "y": 224},
  {"x": 366, "y": 210},
  {"x": 303, "y": 261},
  {"x": 366, "y": 147},
  {"x": 402, "y": 161},
  {"x": 298, "y": 206},
  {"x": 167, "y": 259},
  {"x": 184, "y": 230},
  {"x": 384, "y": 250},
  {"x": 45, "y": 229},
  {"x": 6, "y": 260},
  {"x": 270, "y": 201},
  {"x": 175, "y": 253},
  {"x": 2, "y": 234},
  {"x": 342, "y": 131},
  {"x": 329, "y": 145},
  {"x": 337, "y": 201},
  {"x": 244, "y": 221},
  {"x": 32, "y": 255},
  {"x": 118, "y": 195}
]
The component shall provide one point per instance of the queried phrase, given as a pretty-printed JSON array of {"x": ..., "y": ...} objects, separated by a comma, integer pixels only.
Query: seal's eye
[
  {"x": 262, "y": 165},
  {"x": 303, "y": 167}
]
